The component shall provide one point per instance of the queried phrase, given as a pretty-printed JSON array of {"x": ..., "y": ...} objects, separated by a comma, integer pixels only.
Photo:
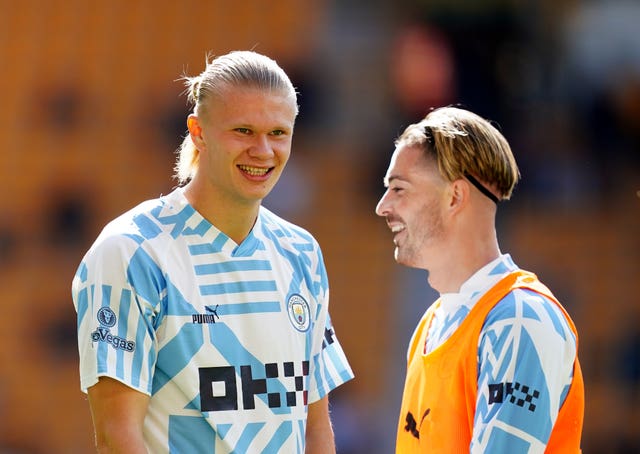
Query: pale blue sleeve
[
  {"x": 329, "y": 366},
  {"x": 526, "y": 353},
  {"x": 116, "y": 295}
]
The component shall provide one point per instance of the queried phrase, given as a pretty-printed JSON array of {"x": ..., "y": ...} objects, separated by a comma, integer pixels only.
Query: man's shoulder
[
  {"x": 133, "y": 227},
  {"x": 527, "y": 306},
  {"x": 284, "y": 231},
  {"x": 128, "y": 223}
]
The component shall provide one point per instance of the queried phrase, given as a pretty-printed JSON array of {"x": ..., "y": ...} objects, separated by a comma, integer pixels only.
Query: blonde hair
[
  {"x": 463, "y": 143},
  {"x": 236, "y": 69}
]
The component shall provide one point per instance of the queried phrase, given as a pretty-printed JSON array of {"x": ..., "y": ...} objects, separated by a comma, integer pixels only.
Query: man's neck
[
  {"x": 233, "y": 219},
  {"x": 460, "y": 264}
]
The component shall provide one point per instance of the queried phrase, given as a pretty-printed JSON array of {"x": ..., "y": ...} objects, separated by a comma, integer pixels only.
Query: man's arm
[
  {"x": 118, "y": 413},
  {"x": 319, "y": 434},
  {"x": 525, "y": 369}
]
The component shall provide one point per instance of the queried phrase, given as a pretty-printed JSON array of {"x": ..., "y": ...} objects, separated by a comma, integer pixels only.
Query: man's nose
[
  {"x": 382, "y": 206},
  {"x": 261, "y": 146}
]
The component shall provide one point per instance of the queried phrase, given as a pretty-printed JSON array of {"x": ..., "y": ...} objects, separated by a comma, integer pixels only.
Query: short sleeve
[
  {"x": 329, "y": 367},
  {"x": 117, "y": 295},
  {"x": 526, "y": 356}
]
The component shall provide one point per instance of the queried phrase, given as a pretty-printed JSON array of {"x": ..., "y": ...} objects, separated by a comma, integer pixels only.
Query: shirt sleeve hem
[{"x": 87, "y": 382}]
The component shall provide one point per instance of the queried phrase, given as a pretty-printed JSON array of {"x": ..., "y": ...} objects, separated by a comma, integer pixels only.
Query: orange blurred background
[{"x": 92, "y": 112}]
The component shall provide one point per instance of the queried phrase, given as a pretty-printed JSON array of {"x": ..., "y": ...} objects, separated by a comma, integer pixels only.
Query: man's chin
[{"x": 402, "y": 259}]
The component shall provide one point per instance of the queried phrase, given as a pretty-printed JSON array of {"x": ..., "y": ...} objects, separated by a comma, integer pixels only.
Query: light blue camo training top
[
  {"x": 231, "y": 342},
  {"x": 525, "y": 342}
]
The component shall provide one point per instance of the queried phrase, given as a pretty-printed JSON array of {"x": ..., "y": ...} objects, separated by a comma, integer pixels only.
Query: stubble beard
[{"x": 416, "y": 252}]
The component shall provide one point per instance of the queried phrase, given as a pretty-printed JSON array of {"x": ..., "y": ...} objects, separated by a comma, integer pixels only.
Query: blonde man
[
  {"x": 203, "y": 321},
  {"x": 492, "y": 366}
]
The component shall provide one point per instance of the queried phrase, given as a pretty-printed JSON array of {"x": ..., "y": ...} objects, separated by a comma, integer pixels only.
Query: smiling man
[
  {"x": 492, "y": 366},
  {"x": 203, "y": 323}
]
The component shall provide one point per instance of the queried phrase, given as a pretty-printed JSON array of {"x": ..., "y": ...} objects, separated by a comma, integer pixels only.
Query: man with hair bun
[
  {"x": 203, "y": 321},
  {"x": 492, "y": 366}
]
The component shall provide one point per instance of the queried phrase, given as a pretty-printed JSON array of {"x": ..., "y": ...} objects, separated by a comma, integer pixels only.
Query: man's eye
[
  {"x": 277, "y": 132},
  {"x": 243, "y": 130}
]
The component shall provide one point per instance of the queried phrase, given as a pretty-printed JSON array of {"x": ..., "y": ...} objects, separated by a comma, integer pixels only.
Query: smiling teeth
[
  {"x": 254, "y": 171},
  {"x": 397, "y": 228}
]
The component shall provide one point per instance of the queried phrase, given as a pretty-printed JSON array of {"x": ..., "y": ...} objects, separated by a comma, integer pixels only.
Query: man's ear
[
  {"x": 459, "y": 195},
  {"x": 195, "y": 131}
]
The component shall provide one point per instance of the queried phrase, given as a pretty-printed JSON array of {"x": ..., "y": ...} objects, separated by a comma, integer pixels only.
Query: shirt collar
[
  {"x": 483, "y": 279},
  {"x": 489, "y": 274}
]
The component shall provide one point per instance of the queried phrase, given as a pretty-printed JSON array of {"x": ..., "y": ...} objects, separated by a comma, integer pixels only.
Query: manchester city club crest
[{"x": 299, "y": 313}]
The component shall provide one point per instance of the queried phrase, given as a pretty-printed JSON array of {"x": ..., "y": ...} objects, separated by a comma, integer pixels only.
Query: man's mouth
[
  {"x": 255, "y": 171},
  {"x": 396, "y": 229}
]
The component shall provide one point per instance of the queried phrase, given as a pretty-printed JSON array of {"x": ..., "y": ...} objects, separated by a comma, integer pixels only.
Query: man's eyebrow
[{"x": 387, "y": 180}]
